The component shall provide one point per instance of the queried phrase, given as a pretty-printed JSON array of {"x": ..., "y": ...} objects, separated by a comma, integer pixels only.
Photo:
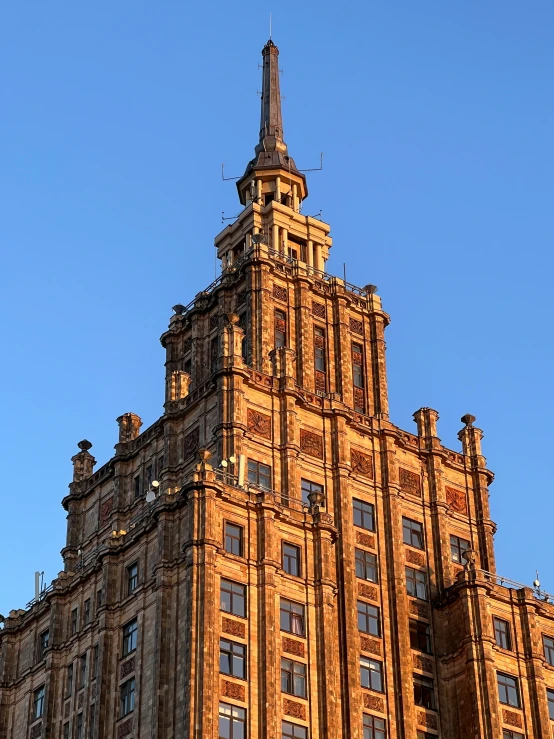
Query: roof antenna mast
[{"x": 270, "y": 26}]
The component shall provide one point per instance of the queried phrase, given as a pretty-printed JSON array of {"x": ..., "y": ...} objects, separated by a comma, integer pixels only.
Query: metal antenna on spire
[{"x": 270, "y": 26}]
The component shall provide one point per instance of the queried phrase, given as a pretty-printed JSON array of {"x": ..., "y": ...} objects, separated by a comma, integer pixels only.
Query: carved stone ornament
[
  {"x": 370, "y": 645},
  {"x": 280, "y": 292},
  {"x": 362, "y": 464},
  {"x": 190, "y": 442},
  {"x": 294, "y": 709},
  {"x": 373, "y": 702},
  {"x": 427, "y": 719},
  {"x": 235, "y": 628},
  {"x": 291, "y": 646},
  {"x": 366, "y": 540},
  {"x": 106, "y": 509},
  {"x": 422, "y": 663},
  {"x": 80, "y": 700},
  {"x": 367, "y": 591},
  {"x": 356, "y": 326},
  {"x": 311, "y": 443},
  {"x": 456, "y": 499},
  {"x": 36, "y": 731},
  {"x": 127, "y": 668},
  {"x": 258, "y": 423},
  {"x": 318, "y": 309},
  {"x": 512, "y": 718},
  {"x": 125, "y": 728},
  {"x": 415, "y": 558},
  {"x": 419, "y": 609},
  {"x": 410, "y": 482},
  {"x": 232, "y": 690}
]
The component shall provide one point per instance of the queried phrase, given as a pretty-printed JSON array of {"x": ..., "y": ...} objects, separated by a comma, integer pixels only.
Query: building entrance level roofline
[{"x": 273, "y": 557}]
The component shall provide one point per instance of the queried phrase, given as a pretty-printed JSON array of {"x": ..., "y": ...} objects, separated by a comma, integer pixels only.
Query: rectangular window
[
  {"x": 424, "y": 692},
  {"x": 374, "y": 728},
  {"x": 371, "y": 674},
  {"x": 214, "y": 353},
  {"x": 280, "y": 329},
  {"x": 86, "y": 612},
  {"x": 358, "y": 377},
  {"x": 292, "y": 617},
  {"x": 244, "y": 343},
  {"x": 293, "y": 731},
  {"x": 293, "y": 678},
  {"x": 73, "y": 621},
  {"x": 136, "y": 488},
  {"x": 38, "y": 703},
  {"x": 66, "y": 731},
  {"x": 369, "y": 621},
  {"x": 79, "y": 732},
  {"x": 132, "y": 578},
  {"x": 98, "y": 599},
  {"x": 548, "y": 642},
  {"x": 232, "y": 658},
  {"x": 259, "y": 474},
  {"x": 83, "y": 670},
  {"x": 160, "y": 465},
  {"x": 291, "y": 559},
  {"x": 233, "y": 598},
  {"x": 233, "y": 538},
  {"x": 420, "y": 636},
  {"x": 416, "y": 583},
  {"x": 91, "y": 720},
  {"x": 319, "y": 359},
  {"x": 509, "y": 734},
  {"x": 232, "y": 722},
  {"x": 69, "y": 681},
  {"x": 43, "y": 641},
  {"x": 366, "y": 565},
  {"x": 364, "y": 515},
  {"x": 550, "y": 698},
  {"x": 149, "y": 475},
  {"x": 130, "y": 637},
  {"x": 508, "y": 689},
  {"x": 317, "y": 491},
  {"x": 457, "y": 547},
  {"x": 502, "y": 633},
  {"x": 127, "y": 697},
  {"x": 412, "y": 532},
  {"x": 95, "y": 662}
]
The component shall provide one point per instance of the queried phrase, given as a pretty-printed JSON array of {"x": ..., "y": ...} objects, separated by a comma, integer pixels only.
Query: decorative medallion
[
  {"x": 106, "y": 509},
  {"x": 366, "y": 540},
  {"x": 367, "y": 591},
  {"x": 291, "y": 646},
  {"x": 311, "y": 443},
  {"x": 370, "y": 645},
  {"x": 258, "y": 423},
  {"x": 235, "y": 628},
  {"x": 190, "y": 442},
  {"x": 294, "y": 709},
  {"x": 232, "y": 690},
  {"x": 280, "y": 292},
  {"x": 456, "y": 500},
  {"x": 318, "y": 309},
  {"x": 415, "y": 558},
  {"x": 357, "y": 327},
  {"x": 362, "y": 464},
  {"x": 373, "y": 702},
  {"x": 410, "y": 482}
]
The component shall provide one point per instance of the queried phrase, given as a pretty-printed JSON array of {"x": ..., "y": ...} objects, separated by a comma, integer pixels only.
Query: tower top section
[{"x": 271, "y": 152}]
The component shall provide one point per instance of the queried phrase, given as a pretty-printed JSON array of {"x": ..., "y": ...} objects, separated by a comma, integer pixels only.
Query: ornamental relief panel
[
  {"x": 373, "y": 702},
  {"x": 291, "y": 646},
  {"x": 235, "y": 628},
  {"x": 362, "y": 464},
  {"x": 370, "y": 645},
  {"x": 427, "y": 719},
  {"x": 258, "y": 423},
  {"x": 419, "y": 609},
  {"x": 127, "y": 668},
  {"x": 106, "y": 509},
  {"x": 367, "y": 591},
  {"x": 422, "y": 663},
  {"x": 410, "y": 482},
  {"x": 232, "y": 690},
  {"x": 457, "y": 500},
  {"x": 292, "y": 708},
  {"x": 366, "y": 540},
  {"x": 311, "y": 443},
  {"x": 190, "y": 442},
  {"x": 125, "y": 728},
  {"x": 280, "y": 292},
  {"x": 415, "y": 558},
  {"x": 512, "y": 718}
]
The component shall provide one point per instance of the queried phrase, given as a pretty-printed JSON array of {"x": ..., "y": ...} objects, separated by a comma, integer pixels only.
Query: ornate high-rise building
[{"x": 273, "y": 557}]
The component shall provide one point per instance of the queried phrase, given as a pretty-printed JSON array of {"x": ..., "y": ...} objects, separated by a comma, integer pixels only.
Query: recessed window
[
  {"x": 416, "y": 583},
  {"x": 420, "y": 636},
  {"x": 292, "y": 617},
  {"x": 232, "y": 722},
  {"x": 369, "y": 621},
  {"x": 357, "y": 365},
  {"x": 509, "y": 734},
  {"x": 502, "y": 633},
  {"x": 74, "y": 615},
  {"x": 130, "y": 637},
  {"x": 95, "y": 662},
  {"x": 412, "y": 532},
  {"x": 371, "y": 674},
  {"x": 280, "y": 329},
  {"x": 232, "y": 658},
  {"x": 291, "y": 559},
  {"x": 98, "y": 598},
  {"x": 233, "y": 538},
  {"x": 293, "y": 677},
  {"x": 307, "y": 488},
  {"x": 374, "y": 728},
  {"x": 92, "y": 720},
  {"x": 366, "y": 565},
  {"x": 149, "y": 475},
  {"x": 233, "y": 598},
  {"x": 66, "y": 730},
  {"x": 548, "y": 642},
  {"x": 364, "y": 514},
  {"x": 550, "y": 698},
  {"x": 319, "y": 349},
  {"x": 82, "y": 670},
  {"x": 127, "y": 697},
  {"x": 43, "y": 642},
  {"x": 457, "y": 547},
  {"x": 293, "y": 731},
  {"x": 136, "y": 487},
  {"x": 86, "y": 612},
  {"x": 69, "y": 681},
  {"x": 508, "y": 689},
  {"x": 38, "y": 703},
  {"x": 214, "y": 353},
  {"x": 259, "y": 474},
  {"x": 424, "y": 692},
  {"x": 79, "y": 732},
  {"x": 132, "y": 578}
]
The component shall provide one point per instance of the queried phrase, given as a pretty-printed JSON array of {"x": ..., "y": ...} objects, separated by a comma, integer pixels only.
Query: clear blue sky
[{"x": 437, "y": 123}]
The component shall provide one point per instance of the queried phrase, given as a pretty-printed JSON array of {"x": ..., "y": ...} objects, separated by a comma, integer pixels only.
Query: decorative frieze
[
  {"x": 232, "y": 690},
  {"x": 410, "y": 482},
  {"x": 80, "y": 699},
  {"x": 291, "y": 646},
  {"x": 36, "y": 731},
  {"x": 311, "y": 443},
  {"x": 362, "y": 464},
  {"x": 457, "y": 500},
  {"x": 258, "y": 423},
  {"x": 294, "y": 709}
]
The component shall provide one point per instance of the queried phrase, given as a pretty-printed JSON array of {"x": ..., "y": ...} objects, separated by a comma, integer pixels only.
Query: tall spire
[{"x": 271, "y": 122}]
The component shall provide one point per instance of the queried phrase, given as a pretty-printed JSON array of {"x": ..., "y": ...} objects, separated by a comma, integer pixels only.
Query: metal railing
[
  {"x": 285, "y": 501},
  {"x": 505, "y": 582}
]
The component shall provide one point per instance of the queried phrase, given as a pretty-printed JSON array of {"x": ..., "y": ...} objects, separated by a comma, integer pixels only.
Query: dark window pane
[
  {"x": 424, "y": 692},
  {"x": 233, "y": 538},
  {"x": 413, "y": 532},
  {"x": 363, "y": 514},
  {"x": 420, "y": 636},
  {"x": 291, "y": 559},
  {"x": 416, "y": 583},
  {"x": 502, "y": 633},
  {"x": 233, "y": 598},
  {"x": 368, "y": 619},
  {"x": 508, "y": 690},
  {"x": 549, "y": 649},
  {"x": 457, "y": 548}
]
